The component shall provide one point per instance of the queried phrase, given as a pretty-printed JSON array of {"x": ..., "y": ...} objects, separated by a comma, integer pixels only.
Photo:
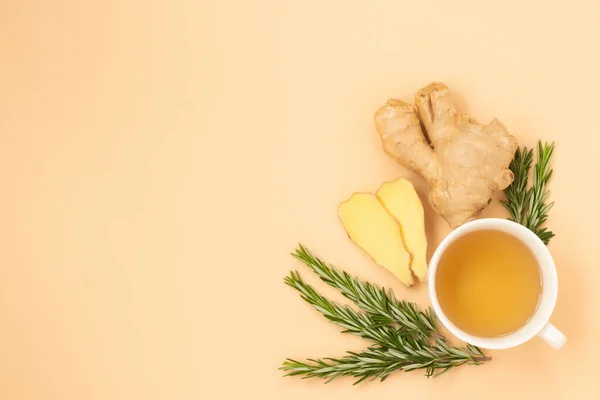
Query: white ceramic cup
[{"x": 539, "y": 323}]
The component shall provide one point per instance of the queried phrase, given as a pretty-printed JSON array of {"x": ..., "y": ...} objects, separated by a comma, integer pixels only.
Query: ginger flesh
[
  {"x": 463, "y": 161},
  {"x": 402, "y": 202},
  {"x": 374, "y": 230}
]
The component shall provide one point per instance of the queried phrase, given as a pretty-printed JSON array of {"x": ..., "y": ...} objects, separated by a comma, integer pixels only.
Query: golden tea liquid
[{"x": 488, "y": 283}]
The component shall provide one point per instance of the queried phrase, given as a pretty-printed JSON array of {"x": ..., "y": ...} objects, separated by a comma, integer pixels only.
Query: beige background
[{"x": 160, "y": 159}]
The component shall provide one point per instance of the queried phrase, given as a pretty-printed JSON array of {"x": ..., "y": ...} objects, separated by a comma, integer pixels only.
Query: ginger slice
[
  {"x": 374, "y": 230},
  {"x": 402, "y": 202}
]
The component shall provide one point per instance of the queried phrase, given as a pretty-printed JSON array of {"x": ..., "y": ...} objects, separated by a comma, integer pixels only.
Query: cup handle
[{"x": 552, "y": 336}]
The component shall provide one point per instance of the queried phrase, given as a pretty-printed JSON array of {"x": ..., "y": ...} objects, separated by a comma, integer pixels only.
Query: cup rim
[{"x": 542, "y": 315}]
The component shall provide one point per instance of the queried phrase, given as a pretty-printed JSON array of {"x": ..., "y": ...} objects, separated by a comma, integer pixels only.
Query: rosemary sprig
[
  {"x": 405, "y": 338},
  {"x": 354, "y": 322},
  {"x": 527, "y": 206},
  {"x": 384, "y": 308},
  {"x": 378, "y": 363}
]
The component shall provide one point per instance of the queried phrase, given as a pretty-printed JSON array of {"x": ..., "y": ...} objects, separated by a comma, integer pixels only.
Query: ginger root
[
  {"x": 374, "y": 230},
  {"x": 402, "y": 202},
  {"x": 463, "y": 161}
]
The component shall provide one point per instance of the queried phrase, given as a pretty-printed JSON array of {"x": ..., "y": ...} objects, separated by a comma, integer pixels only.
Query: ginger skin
[{"x": 463, "y": 161}]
